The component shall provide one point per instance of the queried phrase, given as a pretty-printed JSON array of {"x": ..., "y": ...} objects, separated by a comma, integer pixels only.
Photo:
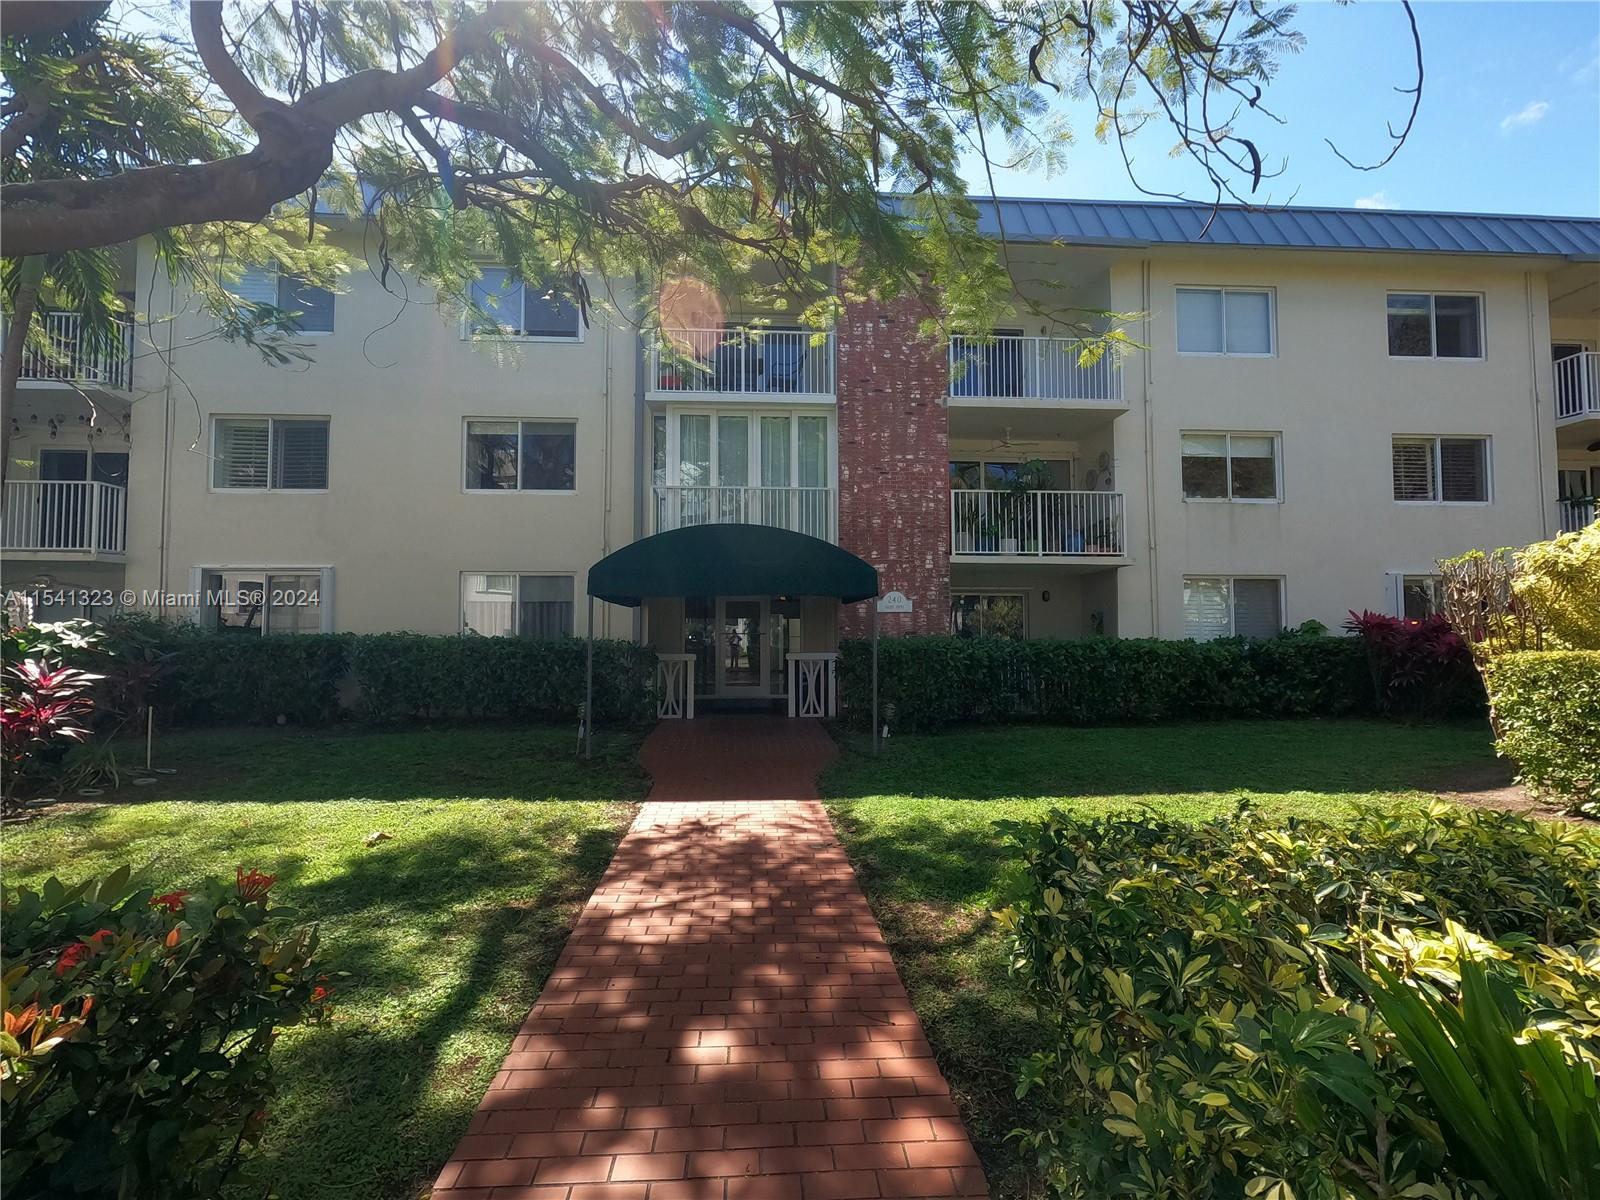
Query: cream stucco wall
[{"x": 398, "y": 381}]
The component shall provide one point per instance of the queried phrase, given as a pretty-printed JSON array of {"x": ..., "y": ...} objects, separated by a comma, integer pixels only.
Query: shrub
[
  {"x": 408, "y": 676},
  {"x": 1559, "y": 582},
  {"x": 238, "y": 679},
  {"x": 932, "y": 682},
  {"x": 1418, "y": 668},
  {"x": 137, "y": 1031},
  {"x": 1547, "y": 717},
  {"x": 1206, "y": 1041},
  {"x": 42, "y": 707}
]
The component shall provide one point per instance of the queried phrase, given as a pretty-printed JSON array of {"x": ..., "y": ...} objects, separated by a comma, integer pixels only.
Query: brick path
[{"x": 725, "y": 1021}]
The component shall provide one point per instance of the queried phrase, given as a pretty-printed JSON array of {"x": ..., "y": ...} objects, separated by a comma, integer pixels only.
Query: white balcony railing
[
  {"x": 1575, "y": 514},
  {"x": 75, "y": 358},
  {"x": 1031, "y": 368},
  {"x": 1037, "y": 524},
  {"x": 742, "y": 361},
  {"x": 1578, "y": 386},
  {"x": 69, "y": 516},
  {"x": 808, "y": 510}
]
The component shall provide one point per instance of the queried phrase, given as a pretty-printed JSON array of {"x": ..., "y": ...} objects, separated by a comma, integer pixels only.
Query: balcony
[
  {"x": 47, "y": 518},
  {"x": 73, "y": 358},
  {"x": 793, "y": 365},
  {"x": 808, "y": 510},
  {"x": 1574, "y": 515},
  {"x": 1578, "y": 386},
  {"x": 1031, "y": 370},
  {"x": 1045, "y": 526}
]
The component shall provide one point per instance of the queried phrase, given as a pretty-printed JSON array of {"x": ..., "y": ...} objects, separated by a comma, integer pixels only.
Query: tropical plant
[
  {"x": 1547, "y": 720},
  {"x": 1420, "y": 668},
  {"x": 1559, "y": 581},
  {"x": 135, "y": 1057},
  {"x": 42, "y": 709}
]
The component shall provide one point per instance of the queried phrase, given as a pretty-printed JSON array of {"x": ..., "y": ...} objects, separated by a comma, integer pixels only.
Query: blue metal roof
[{"x": 1125, "y": 223}]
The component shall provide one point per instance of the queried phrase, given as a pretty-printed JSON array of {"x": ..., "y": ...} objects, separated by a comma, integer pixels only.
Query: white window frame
[
  {"x": 516, "y": 582},
  {"x": 1438, "y": 469},
  {"x": 1230, "y": 580},
  {"x": 754, "y": 415},
  {"x": 1397, "y": 587},
  {"x": 468, "y": 334},
  {"x": 271, "y": 419},
  {"x": 519, "y": 490},
  {"x": 278, "y": 273},
  {"x": 1270, "y": 293},
  {"x": 325, "y": 592},
  {"x": 1433, "y": 327},
  {"x": 1230, "y": 434},
  {"x": 989, "y": 593}
]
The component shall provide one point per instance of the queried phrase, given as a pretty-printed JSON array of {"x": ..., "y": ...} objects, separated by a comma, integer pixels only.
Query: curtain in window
[
  {"x": 1199, "y": 321},
  {"x": 658, "y": 450},
  {"x": 300, "y": 454},
  {"x": 240, "y": 453},
  {"x": 294, "y": 604},
  {"x": 733, "y": 451},
  {"x": 544, "y": 606},
  {"x": 1205, "y": 609},
  {"x": 1257, "y": 609},
  {"x": 488, "y": 607},
  {"x": 813, "y": 451},
  {"x": 1413, "y": 469},
  {"x": 1463, "y": 470},
  {"x": 1248, "y": 322},
  {"x": 694, "y": 449},
  {"x": 775, "y": 470}
]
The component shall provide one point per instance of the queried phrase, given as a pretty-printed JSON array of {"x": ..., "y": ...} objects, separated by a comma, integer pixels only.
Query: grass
[
  {"x": 919, "y": 824},
  {"x": 448, "y": 929}
]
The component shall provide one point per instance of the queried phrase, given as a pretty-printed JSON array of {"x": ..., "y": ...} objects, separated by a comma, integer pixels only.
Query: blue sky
[{"x": 1510, "y": 118}]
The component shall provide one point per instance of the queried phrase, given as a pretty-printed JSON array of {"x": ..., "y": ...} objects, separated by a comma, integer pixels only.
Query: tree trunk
[{"x": 22, "y": 309}]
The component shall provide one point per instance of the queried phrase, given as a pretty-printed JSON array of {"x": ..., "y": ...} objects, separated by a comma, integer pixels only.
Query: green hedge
[
  {"x": 934, "y": 682},
  {"x": 235, "y": 679},
  {"x": 409, "y": 676},
  {"x": 1211, "y": 1032},
  {"x": 1547, "y": 719}
]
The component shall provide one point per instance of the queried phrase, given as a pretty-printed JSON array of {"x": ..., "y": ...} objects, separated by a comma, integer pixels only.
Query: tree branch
[{"x": 205, "y": 24}]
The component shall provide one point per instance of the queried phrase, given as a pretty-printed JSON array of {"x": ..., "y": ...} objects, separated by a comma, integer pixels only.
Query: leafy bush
[
  {"x": 1419, "y": 668},
  {"x": 42, "y": 709},
  {"x": 236, "y": 679},
  {"x": 1559, "y": 582},
  {"x": 1547, "y": 719},
  {"x": 929, "y": 683},
  {"x": 408, "y": 676},
  {"x": 134, "y": 1060},
  {"x": 1207, "y": 1043}
]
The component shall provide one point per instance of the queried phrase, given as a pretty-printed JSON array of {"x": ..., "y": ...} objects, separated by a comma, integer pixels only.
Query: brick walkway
[{"x": 725, "y": 1021}]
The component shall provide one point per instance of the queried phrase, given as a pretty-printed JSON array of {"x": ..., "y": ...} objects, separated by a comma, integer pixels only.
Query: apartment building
[{"x": 1322, "y": 403}]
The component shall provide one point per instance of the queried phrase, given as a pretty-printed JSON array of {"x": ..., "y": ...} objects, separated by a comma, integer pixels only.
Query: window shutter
[
  {"x": 1257, "y": 608},
  {"x": 1199, "y": 321},
  {"x": 1205, "y": 609},
  {"x": 1249, "y": 322},
  {"x": 257, "y": 285},
  {"x": 1413, "y": 469},
  {"x": 241, "y": 454},
  {"x": 1464, "y": 476},
  {"x": 300, "y": 454}
]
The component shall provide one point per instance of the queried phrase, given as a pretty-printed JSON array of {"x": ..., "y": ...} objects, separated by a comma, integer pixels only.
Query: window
[
  {"x": 1230, "y": 466},
  {"x": 1003, "y": 615},
  {"x": 270, "y": 454},
  {"x": 312, "y": 305},
  {"x": 1421, "y": 596},
  {"x": 527, "y": 606},
  {"x": 1045, "y": 475},
  {"x": 1225, "y": 321},
  {"x": 528, "y": 456},
  {"x": 1217, "y": 606},
  {"x": 504, "y": 306},
  {"x": 1573, "y": 483},
  {"x": 1423, "y": 325},
  {"x": 263, "y": 600},
  {"x": 1446, "y": 470}
]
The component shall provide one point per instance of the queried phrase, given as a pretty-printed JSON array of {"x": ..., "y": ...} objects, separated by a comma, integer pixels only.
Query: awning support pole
[
  {"x": 588, "y": 689},
  {"x": 876, "y": 728}
]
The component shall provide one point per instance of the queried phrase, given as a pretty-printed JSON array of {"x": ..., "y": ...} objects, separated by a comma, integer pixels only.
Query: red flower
[
  {"x": 254, "y": 885},
  {"x": 71, "y": 957},
  {"x": 320, "y": 994},
  {"x": 171, "y": 901},
  {"x": 100, "y": 937}
]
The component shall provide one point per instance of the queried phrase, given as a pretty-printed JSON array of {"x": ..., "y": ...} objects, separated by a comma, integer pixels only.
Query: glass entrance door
[{"x": 740, "y": 647}]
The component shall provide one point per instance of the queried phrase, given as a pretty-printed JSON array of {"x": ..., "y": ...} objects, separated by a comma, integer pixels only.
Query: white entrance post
[
  {"x": 675, "y": 687},
  {"x": 813, "y": 684}
]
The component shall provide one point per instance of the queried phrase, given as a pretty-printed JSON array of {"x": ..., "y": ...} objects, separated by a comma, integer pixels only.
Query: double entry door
[{"x": 741, "y": 645}]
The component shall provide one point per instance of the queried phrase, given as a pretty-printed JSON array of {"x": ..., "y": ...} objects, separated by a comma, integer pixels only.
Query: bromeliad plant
[
  {"x": 1207, "y": 1044},
  {"x": 135, "y": 1058}
]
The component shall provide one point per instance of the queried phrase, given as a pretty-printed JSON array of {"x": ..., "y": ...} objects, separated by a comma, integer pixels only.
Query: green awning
[{"x": 730, "y": 560}]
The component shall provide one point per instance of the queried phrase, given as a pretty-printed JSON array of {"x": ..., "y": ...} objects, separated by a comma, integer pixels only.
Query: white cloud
[
  {"x": 1531, "y": 114},
  {"x": 1379, "y": 199}
]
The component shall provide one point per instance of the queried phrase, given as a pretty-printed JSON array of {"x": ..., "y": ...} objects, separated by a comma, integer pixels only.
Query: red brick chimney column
[{"x": 894, "y": 452}]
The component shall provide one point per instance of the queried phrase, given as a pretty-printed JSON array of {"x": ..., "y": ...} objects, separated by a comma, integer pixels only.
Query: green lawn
[
  {"x": 448, "y": 930},
  {"x": 919, "y": 824}
]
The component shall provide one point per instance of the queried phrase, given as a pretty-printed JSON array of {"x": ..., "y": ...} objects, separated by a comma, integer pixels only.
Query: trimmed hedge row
[
  {"x": 1547, "y": 717},
  {"x": 934, "y": 682},
  {"x": 388, "y": 678}
]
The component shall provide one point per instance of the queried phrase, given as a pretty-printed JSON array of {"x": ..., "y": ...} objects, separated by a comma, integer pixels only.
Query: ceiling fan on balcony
[{"x": 1005, "y": 443}]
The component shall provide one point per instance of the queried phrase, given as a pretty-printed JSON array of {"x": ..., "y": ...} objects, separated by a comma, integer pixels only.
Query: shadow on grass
[
  {"x": 1267, "y": 757},
  {"x": 447, "y": 942}
]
